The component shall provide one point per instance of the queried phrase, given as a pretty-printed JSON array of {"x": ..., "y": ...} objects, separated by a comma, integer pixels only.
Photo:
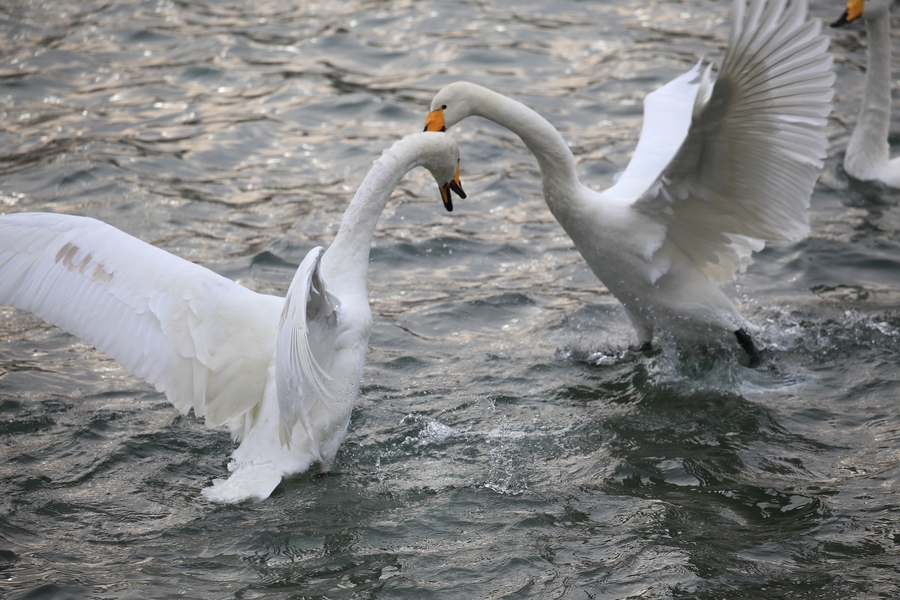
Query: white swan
[
  {"x": 867, "y": 157},
  {"x": 719, "y": 169},
  {"x": 282, "y": 373}
]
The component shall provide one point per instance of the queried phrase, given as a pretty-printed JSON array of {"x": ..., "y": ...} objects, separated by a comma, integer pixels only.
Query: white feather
[{"x": 308, "y": 322}]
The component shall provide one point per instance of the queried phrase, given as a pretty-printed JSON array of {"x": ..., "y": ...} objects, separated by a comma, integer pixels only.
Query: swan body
[
  {"x": 281, "y": 373},
  {"x": 868, "y": 154},
  {"x": 720, "y": 168}
]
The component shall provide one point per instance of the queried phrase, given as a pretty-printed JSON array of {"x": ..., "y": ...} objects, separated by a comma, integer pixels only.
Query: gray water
[{"x": 506, "y": 443}]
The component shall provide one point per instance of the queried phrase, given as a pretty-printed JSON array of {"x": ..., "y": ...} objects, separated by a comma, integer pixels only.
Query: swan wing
[
  {"x": 667, "y": 119},
  {"x": 201, "y": 338},
  {"x": 305, "y": 347},
  {"x": 745, "y": 170}
]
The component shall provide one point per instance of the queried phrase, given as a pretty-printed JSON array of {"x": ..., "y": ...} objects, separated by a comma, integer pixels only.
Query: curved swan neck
[
  {"x": 348, "y": 256},
  {"x": 549, "y": 148},
  {"x": 869, "y": 139}
]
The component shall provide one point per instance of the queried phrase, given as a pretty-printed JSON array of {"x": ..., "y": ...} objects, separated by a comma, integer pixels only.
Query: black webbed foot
[{"x": 746, "y": 342}]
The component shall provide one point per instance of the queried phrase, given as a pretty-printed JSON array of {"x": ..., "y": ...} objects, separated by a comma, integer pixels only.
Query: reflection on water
[{"x": 507, "y": 442}]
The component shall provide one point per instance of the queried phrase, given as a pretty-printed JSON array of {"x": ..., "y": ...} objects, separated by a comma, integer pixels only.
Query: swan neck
[
  {"x": 869, "y": 138},
  {"x": 554, "y": 157},
  {"x": 348, "y": 256}
]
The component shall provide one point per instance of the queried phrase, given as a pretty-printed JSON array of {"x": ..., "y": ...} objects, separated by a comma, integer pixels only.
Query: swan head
[
  {"x": 452, "y": 104},
  {"x": 437, "y": 153},
  {"x": 867, "y": 9}
]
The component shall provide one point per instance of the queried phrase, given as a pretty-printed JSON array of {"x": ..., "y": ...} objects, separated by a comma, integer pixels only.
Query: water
[{"x": 506, "y": 443}]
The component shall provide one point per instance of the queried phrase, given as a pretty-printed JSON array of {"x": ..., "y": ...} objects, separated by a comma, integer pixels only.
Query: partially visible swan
[
  {"x": 282, "y": 373},
  {"x": 867, "y": 157},
  {"x": 719, "y": 169}
]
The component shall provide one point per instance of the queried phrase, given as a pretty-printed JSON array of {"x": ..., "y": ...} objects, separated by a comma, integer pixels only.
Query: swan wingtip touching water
[
  {"x": 867, "y": 157},
  {"x": 282, "y": 373},
  {"x": 721, "y": 167}
]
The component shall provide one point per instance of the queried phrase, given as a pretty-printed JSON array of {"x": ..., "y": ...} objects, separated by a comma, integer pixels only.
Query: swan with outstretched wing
[
  {"x": 281, "y": 373},
  {"x": 722, "y": 166}
]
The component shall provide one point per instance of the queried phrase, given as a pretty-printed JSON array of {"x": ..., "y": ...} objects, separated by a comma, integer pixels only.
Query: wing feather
[
  {"x": 667, "y": 118},
  {"x": 202, "y": 339},
  {"x": 305, "y": 347},
  {"x": 744, "y": 172}
]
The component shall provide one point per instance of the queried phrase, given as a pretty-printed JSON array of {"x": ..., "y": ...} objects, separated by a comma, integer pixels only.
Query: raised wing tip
[{"x": 307, "y": 326}]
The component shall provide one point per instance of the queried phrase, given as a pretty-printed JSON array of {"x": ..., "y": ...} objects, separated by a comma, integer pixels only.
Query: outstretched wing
[
  {"x": 306, "y": 346},
  {"x": 745, "y": 170},
  {"x": 202, "y": 339},
  {"x": 667, "y": 120}
]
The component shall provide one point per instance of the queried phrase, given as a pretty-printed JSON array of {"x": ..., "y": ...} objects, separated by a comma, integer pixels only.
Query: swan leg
[
  {"x": 642, "y": 328},
  {"x": 746, "y": 342}
]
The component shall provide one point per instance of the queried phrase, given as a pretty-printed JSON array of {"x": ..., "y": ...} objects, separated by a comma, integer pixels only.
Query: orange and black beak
[
  {"x": 453, "y": 185},
  {"x": 435, "y": 120},
  {"x": 853, "y": 11}
]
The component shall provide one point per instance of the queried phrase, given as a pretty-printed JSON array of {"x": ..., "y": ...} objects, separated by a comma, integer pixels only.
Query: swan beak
[
  {"x": 445, "y": 197},
  {"x": 435, "y": 120},
  {"x": 453, "y": 185},
  {"x": 853, "y": 12},
  {"x": 841, "y": 21}
]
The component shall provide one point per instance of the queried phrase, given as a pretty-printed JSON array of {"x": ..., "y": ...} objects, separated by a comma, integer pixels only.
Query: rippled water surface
[{"x": 506, "y": 443}]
